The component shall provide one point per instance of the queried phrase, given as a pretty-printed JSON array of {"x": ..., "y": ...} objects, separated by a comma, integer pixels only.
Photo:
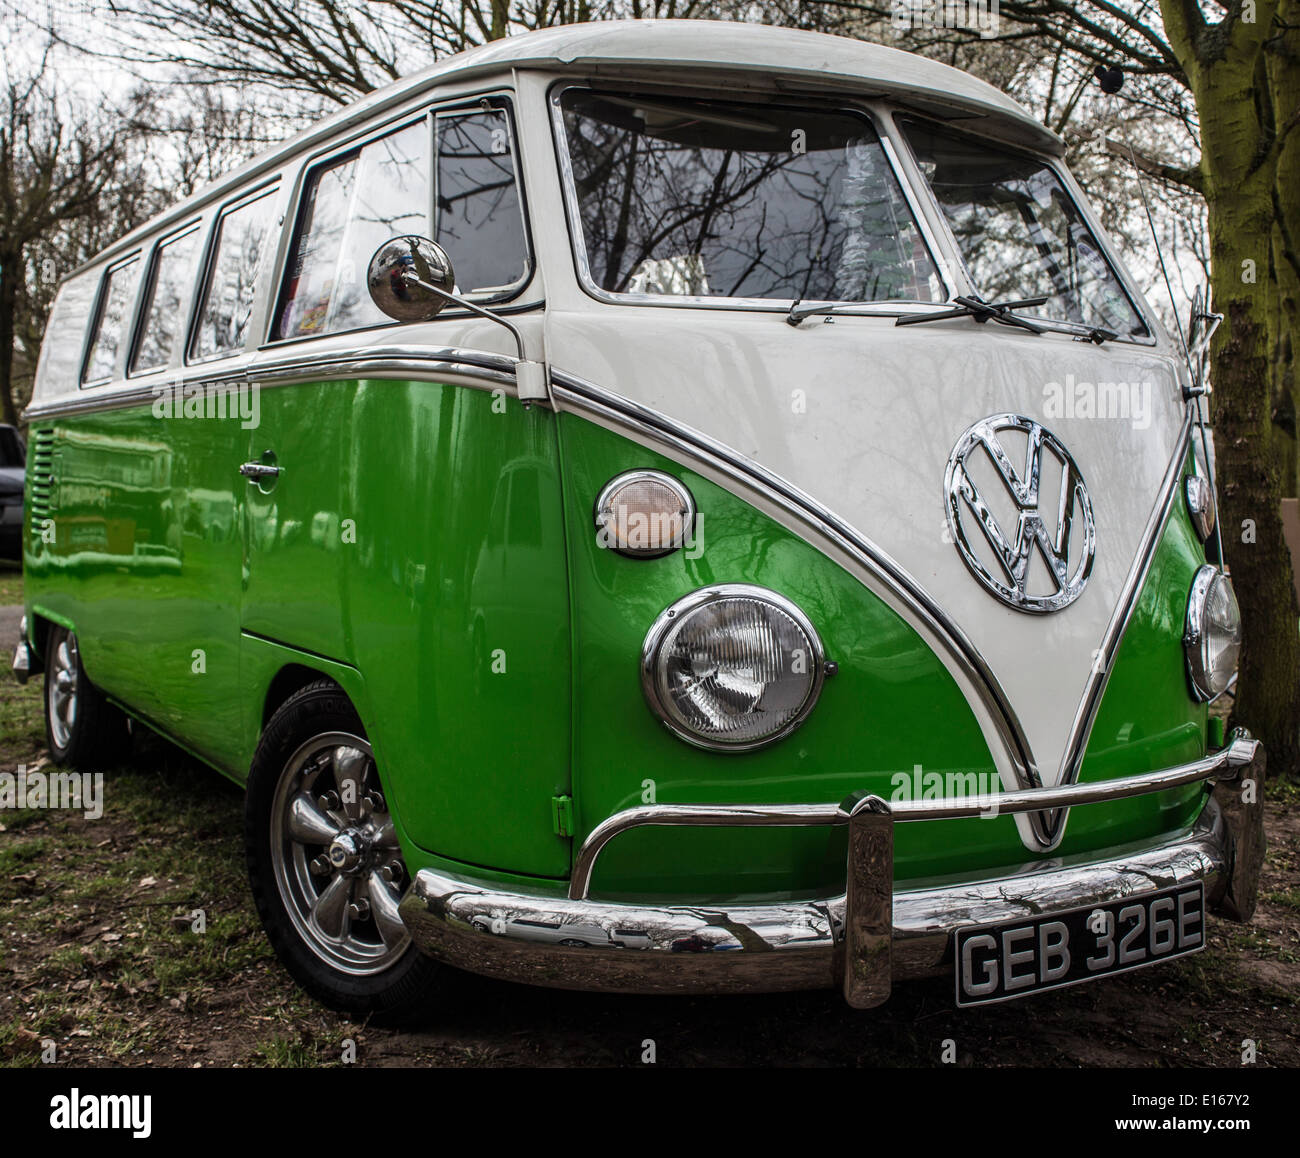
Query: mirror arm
[{"x": 531, "y": 377}]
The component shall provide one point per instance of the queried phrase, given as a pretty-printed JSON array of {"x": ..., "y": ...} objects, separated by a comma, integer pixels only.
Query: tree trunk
[
  {"x": 1282, "y": 74},
  {"x": 1249, "y": 450},
  {"x": 10, "y": 271}
]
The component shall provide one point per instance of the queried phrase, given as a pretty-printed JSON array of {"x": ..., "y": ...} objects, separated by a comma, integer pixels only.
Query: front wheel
[{"x": 324, "y": 863}]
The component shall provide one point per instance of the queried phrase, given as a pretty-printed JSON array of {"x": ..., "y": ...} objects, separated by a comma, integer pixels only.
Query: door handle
[{"x": 257, "y": 471}]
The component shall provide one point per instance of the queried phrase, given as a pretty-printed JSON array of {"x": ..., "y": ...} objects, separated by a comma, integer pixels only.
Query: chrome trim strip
[
  {"x": 589, "y": 401},
  {"x": 745, "y": 947},
  {"x": 1099, "y": 675},
  {"x": 1239, "y": 751},
  {"x": 290, "y": 368}
]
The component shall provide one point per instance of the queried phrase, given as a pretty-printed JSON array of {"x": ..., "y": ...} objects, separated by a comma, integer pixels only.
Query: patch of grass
[
  {"x": 11, "y": 584},
  {"x": 1256, "y": 941},
  {"x": 22, "y": 721},
  {"x": 280, "y": 1052},
  {"x": 16, "y": 856},
  {"x": 1283, "y": 792},
  {"x": 1289, "y": 898}
]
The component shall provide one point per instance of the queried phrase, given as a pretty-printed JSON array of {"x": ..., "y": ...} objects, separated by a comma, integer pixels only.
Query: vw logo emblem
[{"x": 1020, "y": 514}]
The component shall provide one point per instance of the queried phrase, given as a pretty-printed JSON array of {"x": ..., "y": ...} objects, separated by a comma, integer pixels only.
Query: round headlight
[
  {"x": 1200, "y": 505},
  {"x": 732, "y": 667},
  {"x": 1213, "y": 634},
  {"x": 645, "y": 513}
]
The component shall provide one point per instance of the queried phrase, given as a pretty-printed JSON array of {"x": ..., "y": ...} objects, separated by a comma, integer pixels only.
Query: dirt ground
[{"x": 99, "y": 955}]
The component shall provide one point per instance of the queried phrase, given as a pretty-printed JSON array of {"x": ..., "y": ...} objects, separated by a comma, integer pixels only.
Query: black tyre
[
  {"x": 326, "y": 872},
  {"x": 82, "y": 729}
]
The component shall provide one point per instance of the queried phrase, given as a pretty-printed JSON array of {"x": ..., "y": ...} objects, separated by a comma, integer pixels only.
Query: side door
[
  {"x": 414, "y": 529},
  {"x": 204, "y": 409}
]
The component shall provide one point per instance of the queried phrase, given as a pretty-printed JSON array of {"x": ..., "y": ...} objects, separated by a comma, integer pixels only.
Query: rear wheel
[
  {"x": 82, "y": 728},
  {"x": 324, "y": 863}
]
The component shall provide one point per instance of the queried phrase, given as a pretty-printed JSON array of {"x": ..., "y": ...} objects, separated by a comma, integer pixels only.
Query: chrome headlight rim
[
  {"x": 601, "y": 512},
  {"x": 1194, "y": 632},
  {"x": 1201, "y": 505},
  {"x": 718, "y": 593}
]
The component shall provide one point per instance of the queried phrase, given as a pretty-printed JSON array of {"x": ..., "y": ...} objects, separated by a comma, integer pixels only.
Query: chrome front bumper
[{"x": 860, "y": 941}]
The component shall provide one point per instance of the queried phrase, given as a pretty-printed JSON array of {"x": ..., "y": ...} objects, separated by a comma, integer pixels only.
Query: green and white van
[{"x": 662, "y": 507}]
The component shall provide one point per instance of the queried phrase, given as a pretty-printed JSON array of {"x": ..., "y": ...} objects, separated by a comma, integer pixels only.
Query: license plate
[{"x": 1015, "y": 958}]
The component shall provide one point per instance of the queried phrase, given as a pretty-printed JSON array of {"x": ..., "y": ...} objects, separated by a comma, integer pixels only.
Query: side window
[
  {"x": 350, "y": 208},
  {"x": 58, "y": 370},
  {"x": 114, "y": 302},
  {"x": 242, "y": 242},
  {"x": 480, "y": 221},
  {"x": 173, "y": 273}
]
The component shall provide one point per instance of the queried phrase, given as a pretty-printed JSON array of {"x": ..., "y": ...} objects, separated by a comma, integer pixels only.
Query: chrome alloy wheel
[
  {"x": 61, "y": 690},
  {"x": 335, "y": 855}
]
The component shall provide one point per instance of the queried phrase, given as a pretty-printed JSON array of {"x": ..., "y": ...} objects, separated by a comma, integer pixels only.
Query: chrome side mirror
[
  {"x": 410, "y": 279},
  {"x": 404, "y": 275}
]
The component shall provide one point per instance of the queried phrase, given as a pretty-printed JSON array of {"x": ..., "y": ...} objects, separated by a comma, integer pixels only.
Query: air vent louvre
[{"x": 42, "y": 472}]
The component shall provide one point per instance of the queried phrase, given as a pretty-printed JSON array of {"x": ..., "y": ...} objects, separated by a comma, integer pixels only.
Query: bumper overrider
[{"x": 861, "y": 940}]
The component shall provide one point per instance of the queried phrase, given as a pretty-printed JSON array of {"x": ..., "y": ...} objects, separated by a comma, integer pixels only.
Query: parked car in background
[{"x": 13, "y": 472}]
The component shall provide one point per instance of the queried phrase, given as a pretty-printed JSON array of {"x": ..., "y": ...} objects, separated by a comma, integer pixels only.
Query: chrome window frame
[
  {"x": 1137, "y": 301},
  {"x": 147, "y": 286},
  {"x": 578, "y": 245},
  {"x": 493, "y": 295},
  {"x": 97, "y": 318},
  {"x": 270, "y": 188},
  {"x": 505, "y": 298}
]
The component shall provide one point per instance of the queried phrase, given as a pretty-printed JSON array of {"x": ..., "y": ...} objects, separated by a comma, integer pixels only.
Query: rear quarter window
[{"x": 58, "y": 368}]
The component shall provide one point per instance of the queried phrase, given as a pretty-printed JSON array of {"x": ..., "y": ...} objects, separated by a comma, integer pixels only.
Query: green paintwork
[
  {"x": 447, "y": 588},
  {"x": 892, "y": 706},
  {"x": 455, "y": 600},
  {"x": 431, "y": 548},
  {"x": 145, "y": 564}
]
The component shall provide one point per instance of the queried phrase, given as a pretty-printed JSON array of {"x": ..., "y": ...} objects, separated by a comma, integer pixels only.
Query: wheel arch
[{"x": 292, "y": 678}]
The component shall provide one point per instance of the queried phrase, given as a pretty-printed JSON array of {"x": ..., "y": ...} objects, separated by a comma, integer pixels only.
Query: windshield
[
  {"x": 705, "y": 199},
  {"x": 1020, "y": 233}
]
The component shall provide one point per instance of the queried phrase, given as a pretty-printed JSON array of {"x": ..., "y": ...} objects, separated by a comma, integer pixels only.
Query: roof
[{"x": 763, "y": 54}]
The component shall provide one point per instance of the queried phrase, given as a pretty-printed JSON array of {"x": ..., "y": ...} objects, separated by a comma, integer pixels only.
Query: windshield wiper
[
  {"x": 797, "y": 315},
  {"x": 981, "y": 311},
  {"x": 977, "y": 308}
]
